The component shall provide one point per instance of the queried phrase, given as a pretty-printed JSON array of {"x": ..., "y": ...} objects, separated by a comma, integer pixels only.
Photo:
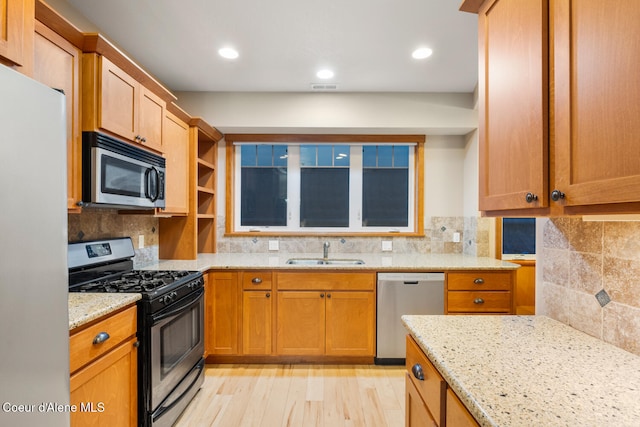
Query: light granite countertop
[
  {"x": 531, "y": 370},
  {"x": 378, "y": 262},
  {"x": 85, "y": 307}
]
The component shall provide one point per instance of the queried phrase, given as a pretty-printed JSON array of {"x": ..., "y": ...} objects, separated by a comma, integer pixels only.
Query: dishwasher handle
[{"x": 410, "y": 282}]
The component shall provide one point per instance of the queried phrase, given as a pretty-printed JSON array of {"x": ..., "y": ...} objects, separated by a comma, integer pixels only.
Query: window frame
[{"x": 299, "y": 139}]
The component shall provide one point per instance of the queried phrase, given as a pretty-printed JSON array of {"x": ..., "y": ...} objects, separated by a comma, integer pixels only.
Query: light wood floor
[{"x": 298, "y": 395}]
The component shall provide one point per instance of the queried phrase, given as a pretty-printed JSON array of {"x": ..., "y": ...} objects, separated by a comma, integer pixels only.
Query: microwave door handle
[{"x": 148, "y": 181}]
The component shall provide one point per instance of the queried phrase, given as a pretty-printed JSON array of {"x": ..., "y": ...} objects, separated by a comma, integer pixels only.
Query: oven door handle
[
  {"x": 187, "y": 301},
  {"x": 195, "y": 373}
]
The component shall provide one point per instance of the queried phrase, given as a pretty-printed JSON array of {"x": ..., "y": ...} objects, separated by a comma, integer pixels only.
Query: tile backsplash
[
  {"x": 590, "y": 274},
  {"x": 94, "y": 224},
  {"x": 474, "y": 240}
]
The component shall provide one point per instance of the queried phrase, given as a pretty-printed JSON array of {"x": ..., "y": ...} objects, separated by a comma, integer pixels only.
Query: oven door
[
  {"x": 121, "y": 180},
  {"x": 176, "y": 345}
]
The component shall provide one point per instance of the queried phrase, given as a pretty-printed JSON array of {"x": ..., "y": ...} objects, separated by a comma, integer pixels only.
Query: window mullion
[
  {"x": 293, "y": 188},
  {"x": 355, "y": 188}
]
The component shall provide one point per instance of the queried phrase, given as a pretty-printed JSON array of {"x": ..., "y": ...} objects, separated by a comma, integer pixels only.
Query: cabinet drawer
[
  {"x": 432, "y": 388},
  {"x": 480, "y": 281},
  {"x": 258, "y": 280},
  {"x": 119, "y": 327},
  {"x": 482, "y": 302},
  {"x": 326, "y": 281}
]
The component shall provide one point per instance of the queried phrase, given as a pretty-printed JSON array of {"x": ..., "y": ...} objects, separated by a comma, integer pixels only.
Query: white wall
[{"x": 386, "y": 113}]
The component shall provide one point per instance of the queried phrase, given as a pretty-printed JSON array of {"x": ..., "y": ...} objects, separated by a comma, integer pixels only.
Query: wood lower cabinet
[
  {"x": 57, "y": 65},
  {"x": 104, "y": 372},
  {"x": 266, "y": 315},
  {"x": 429, "y": 399},
  {"x": 317, "y": 314},
  {"x": 257, "y": 312},
  {"x": 478, "y": 292},
  {"x": 223, "y": 301}
]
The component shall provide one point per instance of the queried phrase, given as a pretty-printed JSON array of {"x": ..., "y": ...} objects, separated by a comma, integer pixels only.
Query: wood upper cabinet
[
  {"x": 513, "y": 108},
  {"x": 116, "y": 102},
  {"x": 176, "y": 151},
  {"x": 596, "y": 102},
  {"x": 16, "y": 26},
  {"x": 558, "y": 111},
  {"x": 57, "y": 65},
  {"x": 104, "y": 375}
]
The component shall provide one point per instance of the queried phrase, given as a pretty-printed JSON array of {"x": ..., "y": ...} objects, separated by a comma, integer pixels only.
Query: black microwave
[{"x": 120, "y": 175}]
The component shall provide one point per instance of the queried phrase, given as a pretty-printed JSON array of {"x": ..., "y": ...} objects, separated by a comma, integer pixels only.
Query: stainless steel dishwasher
[{"x": 399, "y": 294}]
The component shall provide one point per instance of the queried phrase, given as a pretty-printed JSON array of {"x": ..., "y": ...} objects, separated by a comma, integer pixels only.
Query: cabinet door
[
  {"x": 119, "y": 100},
  {"x": 176, "y": 151},
  {"x": 150, "y": 118},
  {"x": 106, "y": 391},
  {"x": 57, "y": 65},
  {"x": 350, "y": 324},
  {"x": 222, "y": 300},
  {"x": 12, "y": 30},
  {"x": 300, "y": 323},
  {"x": 513, "y": 113},
  {"x": 256, "y": 322},
  {"x": 416, "y": 412},
  {"x": 457, "y": 414},
  {"x": 596, "y": 108}
]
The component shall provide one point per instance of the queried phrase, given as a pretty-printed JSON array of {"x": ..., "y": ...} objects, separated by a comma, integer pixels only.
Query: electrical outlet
[
  {"x": 141, "y": 241},
  {"x": 387, "y": 245},
  {"x": 456, "y": 237},
  {"x": 274, "y": 245}
]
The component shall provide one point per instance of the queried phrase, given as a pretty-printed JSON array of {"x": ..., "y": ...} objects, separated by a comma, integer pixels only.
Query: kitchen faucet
[{"x": 325, "y": 250}]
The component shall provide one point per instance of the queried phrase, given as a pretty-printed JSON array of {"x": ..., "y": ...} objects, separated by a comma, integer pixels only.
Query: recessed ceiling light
[
  {"x": 228, "y": 52},
  {"x": 324, "y": 74},
  {"x": 422, "y": 53}
]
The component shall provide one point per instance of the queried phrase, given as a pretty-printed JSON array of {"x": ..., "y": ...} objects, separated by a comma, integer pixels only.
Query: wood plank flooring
[{"x": 298, "y": 395}]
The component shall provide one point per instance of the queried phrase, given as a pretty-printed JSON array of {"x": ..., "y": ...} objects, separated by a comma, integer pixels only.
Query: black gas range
[{"x": 170, "y": 322}]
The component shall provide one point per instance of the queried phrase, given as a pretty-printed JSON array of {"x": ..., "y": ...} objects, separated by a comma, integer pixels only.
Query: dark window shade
[
  {"x": 385, "y": 197},
  {"x": 263, "y": 197},
  {"x": 324, "y": 197}
]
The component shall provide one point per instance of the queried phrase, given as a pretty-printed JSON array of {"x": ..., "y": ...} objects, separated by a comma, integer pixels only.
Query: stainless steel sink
[{"x": 323, "y": 261}]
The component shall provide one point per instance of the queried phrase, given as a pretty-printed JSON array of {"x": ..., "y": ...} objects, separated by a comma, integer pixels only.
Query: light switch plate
[
  {"x": 141, "y": 241},
  {"x": 274, "y": 245},
  {"x": 387, "y": 245}
]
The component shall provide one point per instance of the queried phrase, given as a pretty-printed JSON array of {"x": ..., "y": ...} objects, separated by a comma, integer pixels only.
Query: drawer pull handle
[
  {"x": 418, "y": 372},
  {"x": 100, "y": 338},
  {"x": 479, "y": 281},
  {"x": 478, "y": 301},
  {"x": 256, "y": 280}
]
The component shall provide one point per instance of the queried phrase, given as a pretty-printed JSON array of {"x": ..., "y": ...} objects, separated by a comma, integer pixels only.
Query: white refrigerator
[{"x": 34, "y": 317}]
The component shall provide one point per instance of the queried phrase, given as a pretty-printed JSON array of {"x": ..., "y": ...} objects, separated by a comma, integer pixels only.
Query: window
[{"x": 324, "y": 184}]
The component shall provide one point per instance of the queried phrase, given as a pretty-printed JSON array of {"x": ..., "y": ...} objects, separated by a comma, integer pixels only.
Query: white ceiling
[{"x": 282, "y": 43}]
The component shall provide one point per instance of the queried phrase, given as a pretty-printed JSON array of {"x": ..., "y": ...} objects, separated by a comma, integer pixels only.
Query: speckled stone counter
[
  {"x": 531, "y": 371},
  {"x": 379, "y": 262},
  {"x": 85, "y": 307}
]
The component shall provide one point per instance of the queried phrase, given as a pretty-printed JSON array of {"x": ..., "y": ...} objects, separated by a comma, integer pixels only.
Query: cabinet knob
[
  {"x": 417, "y": 371},
  {"x": 478, "y": 281},
  {"x": 256, "y": 280},
  {"x": 328, "y": 295},
  {"x": 530, "y": 197},
  {"x": 478, "y": 301},
  {"x": 268, "y": 295},
  {"x": 100, "y": 338},
  {"x": 557, "y": 195},
  {"x": 321, "y": 295}
]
